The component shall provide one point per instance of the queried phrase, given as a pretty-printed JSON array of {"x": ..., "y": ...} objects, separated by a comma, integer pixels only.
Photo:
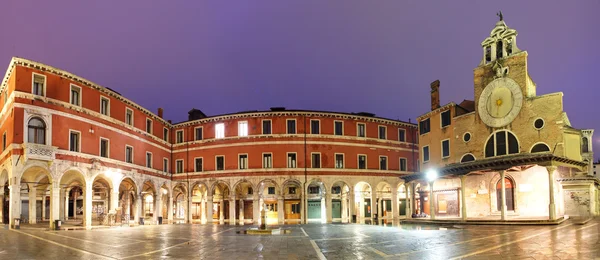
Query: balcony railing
[{"x": 39, "y": 152}]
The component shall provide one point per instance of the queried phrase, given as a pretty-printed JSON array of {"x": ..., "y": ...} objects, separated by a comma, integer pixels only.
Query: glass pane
[{"x": 500, "y": 143}]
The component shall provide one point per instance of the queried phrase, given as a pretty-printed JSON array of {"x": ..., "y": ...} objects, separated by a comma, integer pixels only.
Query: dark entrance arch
[{"x": 509, "y": 190}]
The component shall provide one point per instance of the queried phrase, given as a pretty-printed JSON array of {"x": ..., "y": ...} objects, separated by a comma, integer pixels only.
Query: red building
[{"x": 84, "y": 154}]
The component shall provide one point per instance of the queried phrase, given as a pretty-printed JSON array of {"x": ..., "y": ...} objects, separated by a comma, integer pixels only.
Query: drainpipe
[{"x": 305, "y": 174}]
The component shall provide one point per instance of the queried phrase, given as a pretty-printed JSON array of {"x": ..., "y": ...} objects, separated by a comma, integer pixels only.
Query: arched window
[
  {"x": 36, "y": 131},
  {"x": 501, "y": 143},
  {"x": 540, "y": 148},
  {"x": 467, "y": 158},
  {"x": 584, "y": 145}
]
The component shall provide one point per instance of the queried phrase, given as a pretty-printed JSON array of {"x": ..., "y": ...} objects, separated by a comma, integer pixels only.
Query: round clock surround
[{"x": 500, "y": 102}]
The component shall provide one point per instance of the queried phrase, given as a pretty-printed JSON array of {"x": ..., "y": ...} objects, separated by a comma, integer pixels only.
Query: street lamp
[{"x": 431, "y": 176}]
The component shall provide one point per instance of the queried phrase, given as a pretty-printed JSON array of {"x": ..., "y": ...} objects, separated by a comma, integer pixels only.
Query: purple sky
[{"x": 347, "y": 56}]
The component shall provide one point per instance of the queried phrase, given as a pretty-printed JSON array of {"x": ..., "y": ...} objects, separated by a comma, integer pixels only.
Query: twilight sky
[{"x": 348, "y": 56}]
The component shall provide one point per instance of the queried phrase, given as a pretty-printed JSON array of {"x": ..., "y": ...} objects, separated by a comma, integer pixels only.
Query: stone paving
[{"x": 313, "y": 241}]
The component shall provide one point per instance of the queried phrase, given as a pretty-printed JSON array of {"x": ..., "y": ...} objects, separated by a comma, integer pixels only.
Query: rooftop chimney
[
  {"x": 195, "y": 114},
  {"x": 160, "y": 112},
  {"x": 435, "y": 95}
]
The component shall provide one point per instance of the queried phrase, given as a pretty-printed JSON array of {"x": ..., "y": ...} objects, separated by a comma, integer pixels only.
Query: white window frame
[
  {"x": 107, "y": 147},
  {"x": 288, "y": 159},
  {"x": 126, "y": 153},
  {"x": 166, "y": 135},
  {"x": 379, "y": 132},
  {"x": 33, "y": 74},
  {"x": 71, "y": 86},
  {"x": 247, "y": 160},
  {"x": 400, "y": 164},
  {"x": 263, "y": 160},
  {"x": 196, "y": 133},
  {"x": 358, "y": 161},
  {"x": 401, "y": 130},
  {"x": 165, "y": 160},
  {"x": 78, "y": 139},
  {"x": 182, "y": 166},
  {"x": 262, "y": 126},
  {"x": 242, "y": 132},
  {"x": 320, "y": 160},
  {"x": 216, "y": 164},
  {"x": 146, "y": 159},
  {"x": 107, "y": 105},
  {"x": 387, "y": 166},
  {"x": 357, "y": 132},
  {"x": 441, "y": 119},
  {"x": 132, "y": 116},
  {"x": 177, "y": 136},
  {"x": 340, "y": 121},
  {"x": 423, "y": 153},
  {"x": 442, "y": 148},
  {"x": 310, "y": 126},
  {"x": 151, "y": 125},
  {"x": 202, "y": 168},
  {"x": 343, "y": 160},
  {"x": 219, "y": 134},
  {"x": 287, "y": 131}
]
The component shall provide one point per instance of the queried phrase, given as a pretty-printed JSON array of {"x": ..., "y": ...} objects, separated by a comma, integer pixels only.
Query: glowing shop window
[{"x": 220, "y": 130}]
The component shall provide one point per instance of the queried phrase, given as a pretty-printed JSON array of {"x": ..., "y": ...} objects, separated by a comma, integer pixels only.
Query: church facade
[{"x": 507, "y": 155}]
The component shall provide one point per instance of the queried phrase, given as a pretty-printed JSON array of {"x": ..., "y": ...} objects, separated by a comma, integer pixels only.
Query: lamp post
[{"x": 431, "y": 176}]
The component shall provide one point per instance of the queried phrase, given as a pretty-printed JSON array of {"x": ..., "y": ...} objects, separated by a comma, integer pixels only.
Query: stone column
[
  {"x": 351, "y": 206},
  {"x": 170, "y": 210},
  {"x": 324, "y": 209},
  {"x": 54, "y": 203},
  {"x": 413, "y": 201},
  {"x": 32, "y": 194},
  {"x": 2, "y": 204},
  {"x": 157, "y": 206},
  {"x": 503, "y": 195},
  {"x": 14, "y": 203},
  {"x": 493, "y": 51},
  {"x": 138, "y": 207},
  {"x": 328, "y": 208},
  {"x": 242, "y": 212},
  {"x": 203, "y": 211},
  {"x": 222, "y": 211},
  {"x": 463, "y": 197},
  {"x": 255, "y": 209},
  {"x": 232, "y": 210},
  {"x": 189, "y": 202},
  {"x": 395, "y": 213},
  {"x": 67, "y": 191},
  {"x": 302, "y": 209},
  {"x": 373, "y": 204},
  {"x": 431, "y": 201},
  {"x": 209, "y": 209},
  {"x": 344, "y": 208},
  {"x": 280, "y": 211},
  {"x": 87, "y": 206},
  {"x": 409, "y": 198},
  {"x": 551, "y": 206},
  {"x": 44, "y": 205}
]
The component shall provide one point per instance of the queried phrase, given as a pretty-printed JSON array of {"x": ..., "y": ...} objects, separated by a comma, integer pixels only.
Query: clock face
[{"x": 500, "y": 102}]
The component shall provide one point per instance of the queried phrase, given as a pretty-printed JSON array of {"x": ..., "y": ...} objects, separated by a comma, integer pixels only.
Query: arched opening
[
  {"x": 362, "y": 201},
  {"x": 4, "y": 200},
  {"x": 180, "y": 205},
  {"x": 340, "y": 192},
  {"x": 101, "y": 201},
  {"x": 163, "y": 204},
  {"x": 292, "y": 193},
  {"x": 509, "y": 191},
  {"x": 244, "y": 195},
  {"x": 34, "y": 195},
  {"x": 220, "y": 205},
  {"x": 315, "y": 202},
  {"x": 269, "y": 193},
  {"x": 199, "y": 207},
  {"x": 383, "y": 205},
  {"x": 501, "y": 143},
  {"x": 127, "y": 200},
  {"x": 585, "y": 145},
  {"x": 467, "y": 158},
  {"x": 73, "y": 183},
  {"x": 540, "y": 148},
  {"x": 36, "y": 131},
  {"x": 148, "y": 201}
]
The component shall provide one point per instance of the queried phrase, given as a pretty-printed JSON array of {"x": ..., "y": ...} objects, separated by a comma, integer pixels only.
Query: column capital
[{"x": 551, "y": 169}]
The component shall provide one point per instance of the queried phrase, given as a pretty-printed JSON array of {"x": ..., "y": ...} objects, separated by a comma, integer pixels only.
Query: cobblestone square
[{"x": 313, "y": 241}]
